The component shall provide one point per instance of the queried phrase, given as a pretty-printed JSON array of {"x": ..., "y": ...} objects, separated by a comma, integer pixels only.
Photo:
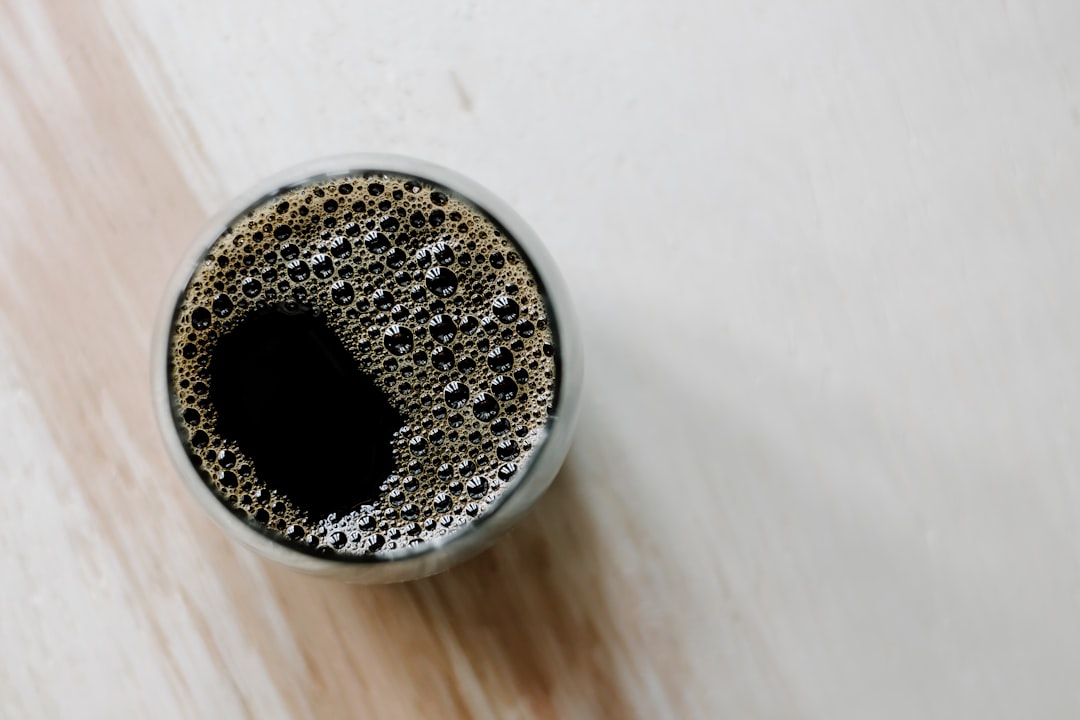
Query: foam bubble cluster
[{"x": 432, "y": 301}]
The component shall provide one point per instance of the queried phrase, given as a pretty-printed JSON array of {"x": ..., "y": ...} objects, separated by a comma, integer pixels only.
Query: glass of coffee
[{"x": 367, "y": 368}]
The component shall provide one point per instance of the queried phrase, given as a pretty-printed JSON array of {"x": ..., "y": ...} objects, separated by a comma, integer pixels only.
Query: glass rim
[{"x": 536, "y": 473}]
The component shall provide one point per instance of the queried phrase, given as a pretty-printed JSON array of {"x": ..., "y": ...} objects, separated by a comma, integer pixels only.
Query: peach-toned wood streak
[
  {"x": 825, "y": 257},
  {"x": 96, "y": 213}
]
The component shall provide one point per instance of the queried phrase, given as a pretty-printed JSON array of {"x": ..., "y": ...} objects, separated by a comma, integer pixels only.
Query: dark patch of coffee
[{"x": 290, "y": 395}]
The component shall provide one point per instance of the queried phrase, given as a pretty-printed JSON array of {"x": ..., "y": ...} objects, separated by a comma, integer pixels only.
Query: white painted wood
[{"x": 825, "y": 256}]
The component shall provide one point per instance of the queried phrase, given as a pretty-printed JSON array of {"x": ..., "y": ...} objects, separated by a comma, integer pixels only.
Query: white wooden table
[{"x": 827, "y": 259}]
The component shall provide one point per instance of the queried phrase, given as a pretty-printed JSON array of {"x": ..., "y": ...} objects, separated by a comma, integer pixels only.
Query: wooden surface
[{"x": 827, "y": 260}]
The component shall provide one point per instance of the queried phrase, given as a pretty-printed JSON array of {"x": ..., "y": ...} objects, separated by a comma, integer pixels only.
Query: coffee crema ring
[{"x": 362, "y": 363}]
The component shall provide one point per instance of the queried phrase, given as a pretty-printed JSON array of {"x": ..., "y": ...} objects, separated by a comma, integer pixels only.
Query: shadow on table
[
  {"x": 528, "y": 617},
  {"x": 525, "y": 627}
]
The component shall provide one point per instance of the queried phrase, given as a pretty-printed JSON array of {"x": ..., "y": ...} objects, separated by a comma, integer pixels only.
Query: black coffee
[
  {"x": 254, "y": 374},
  {"x": 362, "y": 363}
]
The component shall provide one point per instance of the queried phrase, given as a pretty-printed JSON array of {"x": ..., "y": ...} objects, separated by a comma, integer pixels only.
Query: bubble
[
  {"x": 410, "y": 512},
  {"x": 456, "y": 394},
  {"x": 398, "y": 339},
  {"x": 507, "y": 450},
  {"x": 500, "y": 359},
  {"x": 439, "y": 198},
  {"x": 497, "y": 260},
  {"x": 442, "y": 359},
  {"x": 389, "y": 224},
  {"x": 418, "y": 445},
  {"x": 322, "y": 265},
  {"x": 283, "y": 232},
  {"x": 442, "y": 328},
  {"x": 442, "y": 502},
  {"x": 500, "y": 427},
  {"x": 395, "y": 258},
  {"x": 373, "y": 543},
  {"x": 376, "y": 242},
  {"x": 375, "y": 188},
  {"x": 227, "y": 479},
  {"x": 443, "y": 253},
  {"x": 352, "y": 229},
  {"x": 297, "y": 270},
  {"x": 226, "y": 458},
  {"x": 504, "y": 388},
  {"x": 383, "y": 299},
  {"x": 199, "y": 439},
  {"x": 485, "y": 407},
  {"x": 200, "y": 318},
  {"x": 469, "y": 324},
  {"x": 525, "y": 328},
  {"x": 250, "y": 287},
  {"x": 441, "y": 281},
  {"x": 437, "y": 218},
  {"x": 342, "y": 292},
  {"x": 505, "y": 308},
  {"x": 340, "y": 247},
  {"x": 337, "y": 540},
  {"x": 476, "y": 487}
]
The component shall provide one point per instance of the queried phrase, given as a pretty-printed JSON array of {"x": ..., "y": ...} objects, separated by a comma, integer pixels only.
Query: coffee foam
[{"x": 431, "y": 298}]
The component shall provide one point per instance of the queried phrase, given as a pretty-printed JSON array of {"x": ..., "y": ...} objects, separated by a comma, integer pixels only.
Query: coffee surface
[{"x": 362, "y": 363}]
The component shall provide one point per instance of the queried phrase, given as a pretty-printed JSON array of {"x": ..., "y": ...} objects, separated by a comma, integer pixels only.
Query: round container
[{"x": 519, "y": 494}]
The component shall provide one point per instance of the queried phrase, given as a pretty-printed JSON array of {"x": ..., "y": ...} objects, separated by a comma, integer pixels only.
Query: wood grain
[{"x": 825, "y": 256}]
